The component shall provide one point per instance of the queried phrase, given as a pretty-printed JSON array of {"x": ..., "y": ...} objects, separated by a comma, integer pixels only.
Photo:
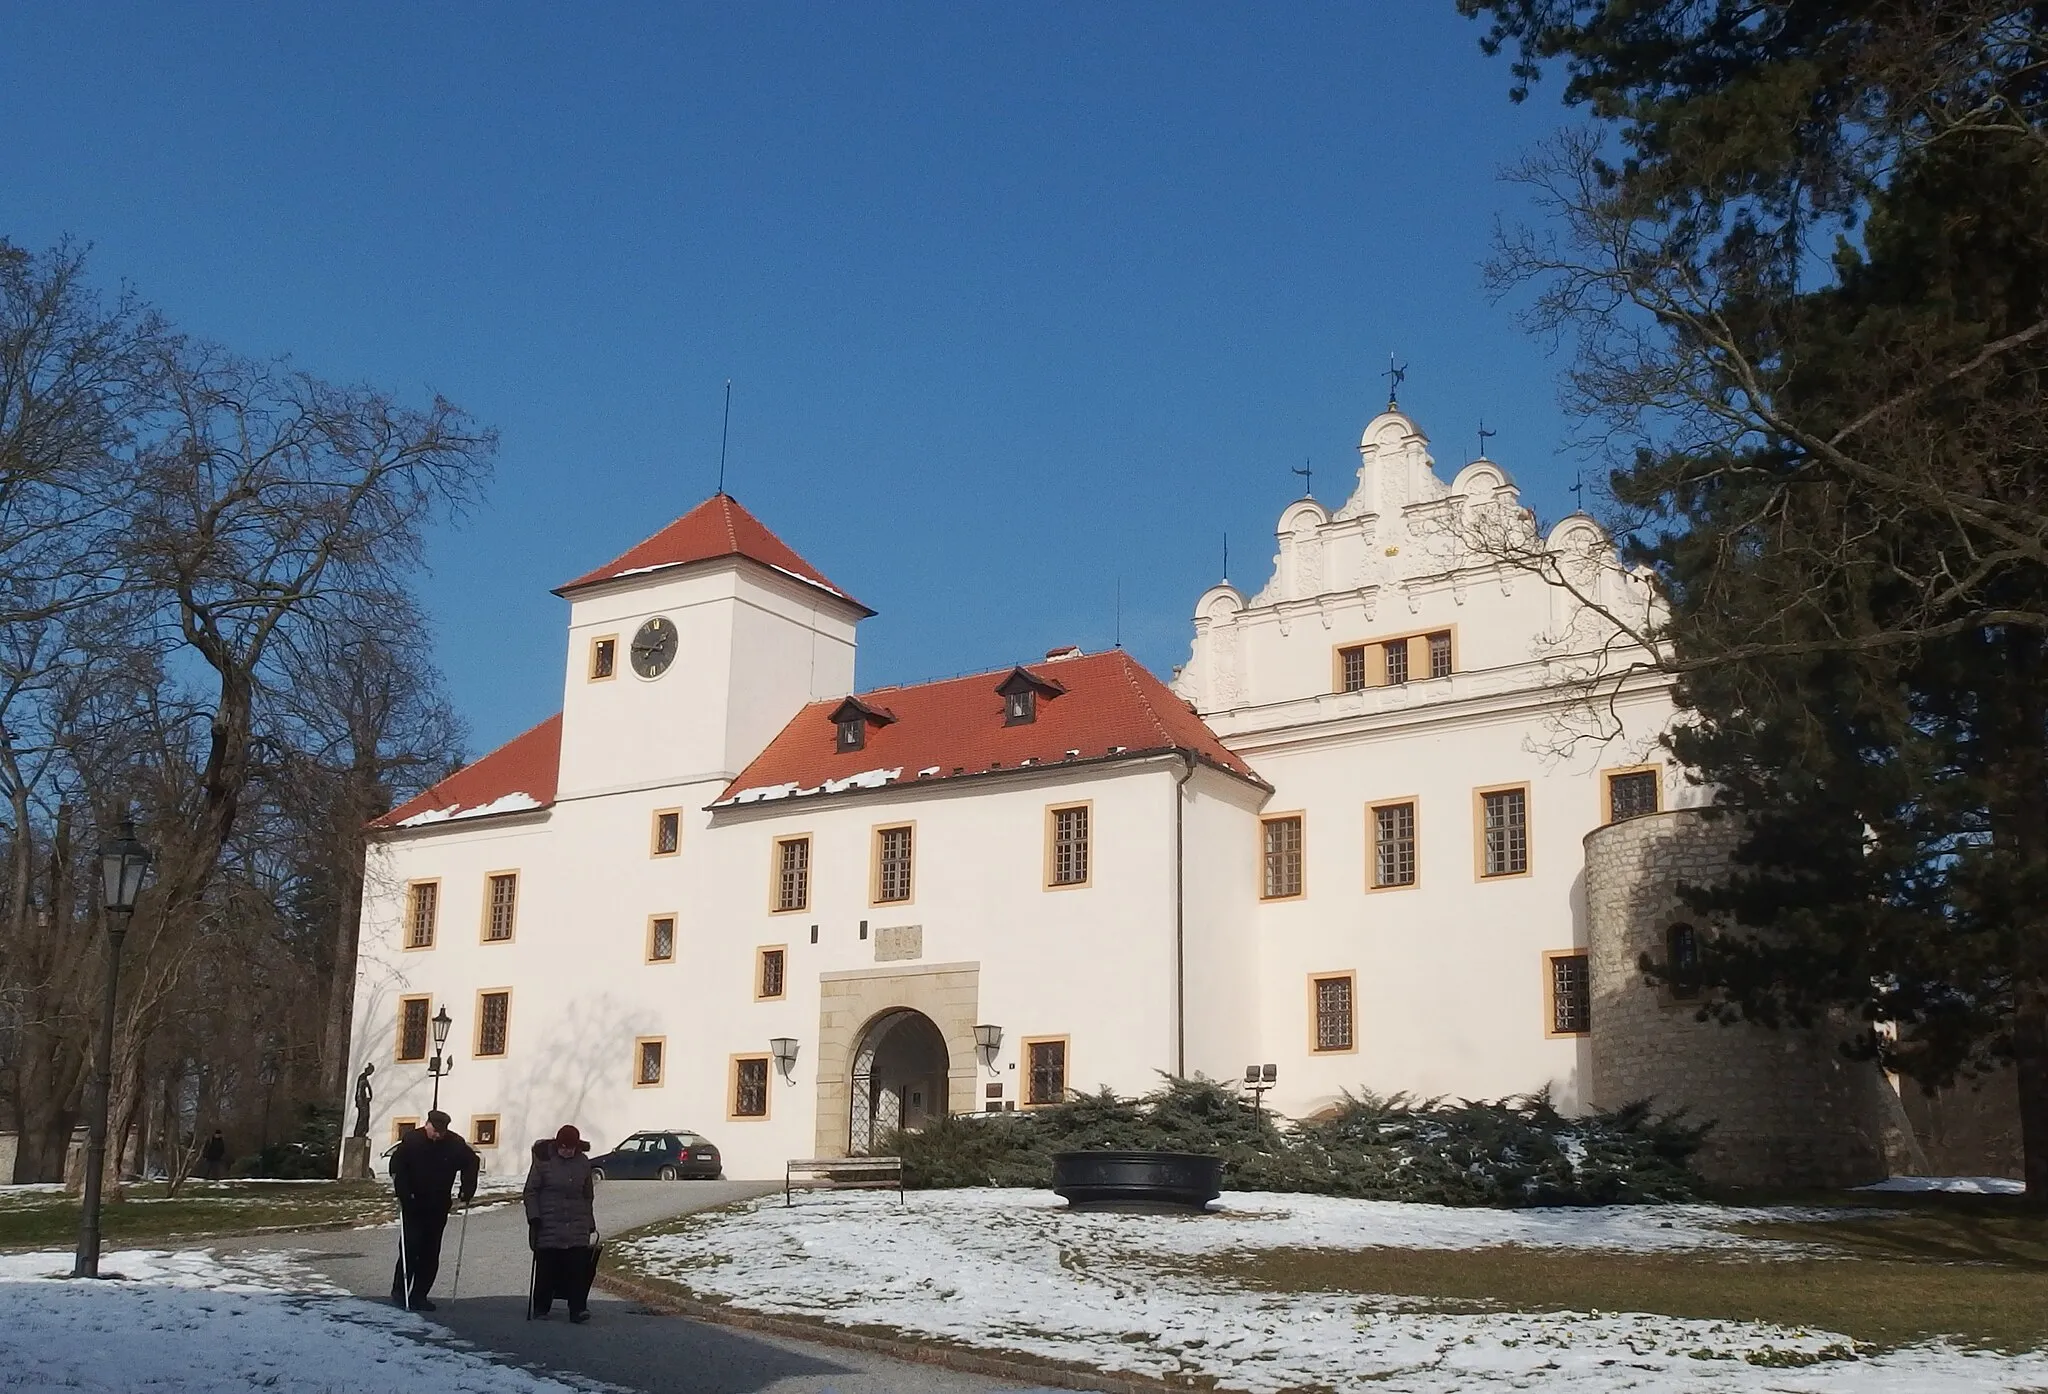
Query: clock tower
[{"x": 691, "y": 651}]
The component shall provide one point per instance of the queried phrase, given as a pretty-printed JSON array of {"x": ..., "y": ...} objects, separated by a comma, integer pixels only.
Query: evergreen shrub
[{"x": 1507, "y": 1152}]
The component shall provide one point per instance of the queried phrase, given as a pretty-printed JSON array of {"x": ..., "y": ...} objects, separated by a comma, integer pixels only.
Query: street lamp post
[
  {"x": 123, "y": 863},
  {"x": 441, "y": 1064}
]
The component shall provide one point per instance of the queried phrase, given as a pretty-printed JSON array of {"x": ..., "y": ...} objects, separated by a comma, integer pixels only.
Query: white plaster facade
[{"x": 1166, "y": 959}]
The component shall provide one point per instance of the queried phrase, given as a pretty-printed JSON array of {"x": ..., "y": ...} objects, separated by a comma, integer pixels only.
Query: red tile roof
[
  {"x": 517, "y": 777},
  {"x": 1112, "y": 708},
  {"x": 717, "y": 527}
]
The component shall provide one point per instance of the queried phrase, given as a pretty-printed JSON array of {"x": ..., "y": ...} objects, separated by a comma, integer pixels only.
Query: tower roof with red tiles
[
  {"x": 1085, "y": 708},
  {"x": 715, "y": 528},
  {"x": 518, "y": 777}
]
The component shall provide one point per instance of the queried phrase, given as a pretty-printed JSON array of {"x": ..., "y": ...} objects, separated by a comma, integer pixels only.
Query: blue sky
[{"x": 1018, "y": 301}]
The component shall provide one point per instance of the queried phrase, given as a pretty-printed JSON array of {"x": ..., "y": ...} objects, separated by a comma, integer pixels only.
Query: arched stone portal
[{"x": 899, "y": 1078}]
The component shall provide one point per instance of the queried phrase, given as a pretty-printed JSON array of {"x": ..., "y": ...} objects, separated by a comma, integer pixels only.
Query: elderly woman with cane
[{"x": 561, "y": 1224}]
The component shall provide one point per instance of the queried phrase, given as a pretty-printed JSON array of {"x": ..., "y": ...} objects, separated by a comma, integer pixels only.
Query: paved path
[{"x": 624, "y": 1343}]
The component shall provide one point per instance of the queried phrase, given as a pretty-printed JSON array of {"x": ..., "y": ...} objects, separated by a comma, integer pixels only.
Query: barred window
[
  {"x": 661, "y": 939},
  {"x": 1070, "y": 846},
  {"x": 1506, "y": 820},
  {"x": 1440, "y": 655},
  {"x": 493, "y": 1022},
  {"x": 502, "y": 902},
  {"x": 1048, "y": 1062},
  {"x": 1333, "y": 1013},
  {"x": 1571, "y": 995},
  {"x": 892, "y": 864},
  {"x": 1393, "y": 845},
  {"x": 421, "y": 913},
  {"x": 412, "y": 1028},
  {"x": 750, "y": 1087},
  {"x": 1282, "y": 857},
  {"x": 604, "y": 658},
  {"x": 1396, "y": 661},
  {"x": 647, "y": 1068},
  {"x": 769, "y": 982},
  {"x": 1631, "y": 795},
  {"x": 1351, "y": 662},
  {"x": 483, "y": 1130},
  {"x": 668, "y": 832},
  {"x": 793, "y": 874}
]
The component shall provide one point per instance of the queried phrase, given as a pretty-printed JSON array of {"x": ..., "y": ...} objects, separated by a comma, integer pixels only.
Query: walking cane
[
  {"x": 461, "y": 1238},
  {"x": 532, "y": 1282},
  {"x": 404, "y": 1262}
]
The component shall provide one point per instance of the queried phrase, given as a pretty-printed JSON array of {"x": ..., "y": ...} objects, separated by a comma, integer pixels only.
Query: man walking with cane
[{"x": 424, "y": 1165}]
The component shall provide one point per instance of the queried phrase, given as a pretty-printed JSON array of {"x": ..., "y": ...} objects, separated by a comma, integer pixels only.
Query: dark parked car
[{"x": 663, "y": 1155}]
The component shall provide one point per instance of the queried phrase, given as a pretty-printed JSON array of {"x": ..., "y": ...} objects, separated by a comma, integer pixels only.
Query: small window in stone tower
[
  {"x": 1682, "y": 960},
  {"x": 604, "y": 658},
  {"x": 1351, "y": 669},
  {"x": 1397, "y": 661},
  {"x": 1631, "y": 794},
  {"x": 1571, "y": 995}
]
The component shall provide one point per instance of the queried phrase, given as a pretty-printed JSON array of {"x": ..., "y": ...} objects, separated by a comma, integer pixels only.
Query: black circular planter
[{"x": 1137, "y": 1180}]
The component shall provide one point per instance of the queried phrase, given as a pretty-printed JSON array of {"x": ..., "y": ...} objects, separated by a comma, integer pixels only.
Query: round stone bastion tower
[{"x": 1788, "y": 1108}]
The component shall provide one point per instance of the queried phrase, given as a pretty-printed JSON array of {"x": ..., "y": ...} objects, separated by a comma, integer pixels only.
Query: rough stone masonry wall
[{"x": 1787, "y": 1108}]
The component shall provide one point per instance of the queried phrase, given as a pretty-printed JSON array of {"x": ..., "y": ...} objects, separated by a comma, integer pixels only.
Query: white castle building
[{"x": 724, "y": 890}]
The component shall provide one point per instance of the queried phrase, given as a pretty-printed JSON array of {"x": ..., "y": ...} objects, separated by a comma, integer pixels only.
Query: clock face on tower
[{"x": 654, "y": 648}]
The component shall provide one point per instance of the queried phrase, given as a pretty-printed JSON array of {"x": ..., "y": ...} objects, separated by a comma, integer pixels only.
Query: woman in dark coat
[{"x": 560, "y": 1221}]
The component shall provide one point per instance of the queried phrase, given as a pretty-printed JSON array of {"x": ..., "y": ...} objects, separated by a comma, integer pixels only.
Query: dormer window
[
  {"x": 851, "y": 720},
  {"x": 1020, "y": 693}
]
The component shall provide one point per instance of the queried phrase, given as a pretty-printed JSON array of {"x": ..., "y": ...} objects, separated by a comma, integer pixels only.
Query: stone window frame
[
  {"x": 654, "y": 833},
  {"x": 491, "y": 879},
  {"x": 1372, "y": 843},
  {"x": 875, "y": 842},
  {"x": 1066, "y": 1045},
  {"x": 597, "y": 644},
  {"x": 1299, "y": 816},
  {"x": 1315, "y": 1011},
  {"x": 400, "y": 1126},
  {"x": 476, "y": 1039},
  {"x": 761, "y": 972},
  {"x": 476, "y": 1129},
  {"x": 1373, "y": 658},
  {"x": 732, "y": 1088},
  {"x": 1610, "y": 774},
  {"x": 1479, "y": 796},
  {"x": 675, "y": 924},
  {"x": 640, "y": 1044},
  {"x": 1052, "y": 838},
  {"x": 1550, "y": 1031},
  {"x": 398, "y": 1054},
  {"x": 802, "y": 905},
  {"x": 409, "y": 940}
]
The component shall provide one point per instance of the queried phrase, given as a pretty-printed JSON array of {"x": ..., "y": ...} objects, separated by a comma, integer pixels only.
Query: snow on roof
[
  {"x": 518, "y": 777},
  {"x": 1110, "y": 708},
  {"x": 717, "y": 527}
]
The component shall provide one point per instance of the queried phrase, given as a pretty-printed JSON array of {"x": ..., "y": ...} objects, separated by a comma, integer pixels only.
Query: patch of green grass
[
  {"x": 1977, "y": 1274},
  {"x": 145, "y": 1214}
]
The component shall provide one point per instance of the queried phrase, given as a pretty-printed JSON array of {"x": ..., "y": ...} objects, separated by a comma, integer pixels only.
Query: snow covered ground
[
  {"x": 1016, "y": 1271},
  {"x": 1954, "y": 1185},
  {"x": 188, "y": 1322}
]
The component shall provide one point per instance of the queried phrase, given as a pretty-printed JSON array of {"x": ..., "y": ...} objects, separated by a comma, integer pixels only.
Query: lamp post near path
[
  {"x": 442, "y": 1064},
  {"x": 123, "y": 862}
]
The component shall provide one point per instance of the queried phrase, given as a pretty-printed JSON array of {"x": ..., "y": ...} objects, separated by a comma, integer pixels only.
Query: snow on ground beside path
[
  {"x": 190, "y": 1322},
  {"x": 1016, "y": 1271},
  {"x": 1956, "y": 1185}
]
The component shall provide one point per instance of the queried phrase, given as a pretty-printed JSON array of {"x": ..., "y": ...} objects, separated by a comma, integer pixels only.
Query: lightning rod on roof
[
  {"x": 1226, "y": 558},
  {"x": 1119, "y": 612},
  {"x": 724, "y": 434}
]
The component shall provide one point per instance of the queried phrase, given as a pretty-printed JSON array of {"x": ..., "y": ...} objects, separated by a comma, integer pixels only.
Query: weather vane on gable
[
  {"x": 1395, "y": 374},
  {"x": 1308, "y": 480},
  {"x": 1484, "y": 436}
]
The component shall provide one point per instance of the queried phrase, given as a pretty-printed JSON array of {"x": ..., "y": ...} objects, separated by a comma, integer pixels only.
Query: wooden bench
[{"x": 842, "y": 1174}]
